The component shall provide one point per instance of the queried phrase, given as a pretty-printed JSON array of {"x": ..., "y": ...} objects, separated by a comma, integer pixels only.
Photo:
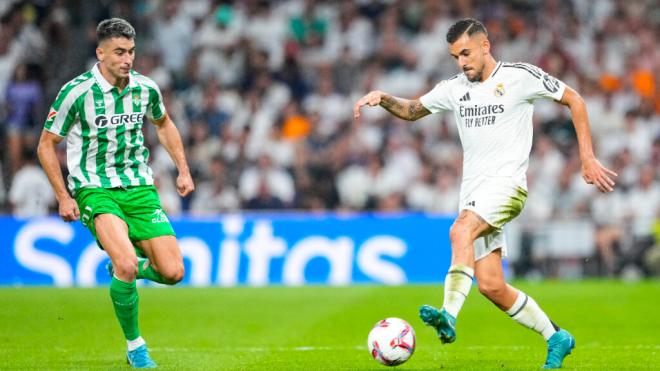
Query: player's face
[
  {"x": 117, "y": 55},
  {"x": 470, "y": 54}
]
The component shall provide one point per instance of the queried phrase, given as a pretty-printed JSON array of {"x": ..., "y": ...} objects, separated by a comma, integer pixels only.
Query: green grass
[{"x": 617, "y": 326}]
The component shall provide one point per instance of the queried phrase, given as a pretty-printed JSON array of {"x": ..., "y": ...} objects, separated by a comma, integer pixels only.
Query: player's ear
[
  {"x": 485, "y": 46},
  {"x": 99, "y": 53}
]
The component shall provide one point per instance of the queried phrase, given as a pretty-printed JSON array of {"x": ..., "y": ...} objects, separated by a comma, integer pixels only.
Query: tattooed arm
[{"x": 406, "y": 109}]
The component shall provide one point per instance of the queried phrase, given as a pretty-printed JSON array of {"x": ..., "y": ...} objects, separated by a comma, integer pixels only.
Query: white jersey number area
[{"x": 494, "y": 117}]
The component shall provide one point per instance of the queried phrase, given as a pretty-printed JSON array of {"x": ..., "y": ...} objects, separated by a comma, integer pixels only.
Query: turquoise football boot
[
  {"x": 443, "y": 322},
  {"x": 559, "y": 346},
  {"x": 139, "y": 358},
  {"x": 110, "y": 269}
]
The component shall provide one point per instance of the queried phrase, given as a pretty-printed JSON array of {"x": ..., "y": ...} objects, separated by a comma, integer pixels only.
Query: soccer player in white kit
[{"x": 493, "y": 104}]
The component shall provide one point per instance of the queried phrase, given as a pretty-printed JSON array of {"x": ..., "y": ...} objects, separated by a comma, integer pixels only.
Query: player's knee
[
  {"x": 491, "y": 288},
  {"x": 459, "y": 234},
  {"x": 126, "y": 268},
  {"x": 174, "y": 275}
]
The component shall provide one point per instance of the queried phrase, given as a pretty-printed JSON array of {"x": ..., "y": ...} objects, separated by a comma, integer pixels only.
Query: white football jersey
[{"x": 494, "y": 117}]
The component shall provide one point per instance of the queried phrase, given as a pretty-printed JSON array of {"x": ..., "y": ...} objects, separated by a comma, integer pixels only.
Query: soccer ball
[{"x": 391, "y": 341}]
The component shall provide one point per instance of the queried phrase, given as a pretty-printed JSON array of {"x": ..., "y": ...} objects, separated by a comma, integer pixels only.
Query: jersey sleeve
[
  {"x": 156, "y": 107},
  {"x": 63, "y": 113},
  {"x": 541, "y": 85},
  {"x": 438, "y": 99}
]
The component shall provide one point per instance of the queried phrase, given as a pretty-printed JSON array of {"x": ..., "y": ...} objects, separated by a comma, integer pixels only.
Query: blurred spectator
[
  {"x": 10, "y": 57},
  {"x": 210, "y": 113},
  {"x": 169, "y": 198},
  {"x": 329, "y": 104},
  {"x": 446, "y": 195},
  {"x": 213, "y": 193},
  {"x": 609, "y": 211},
  {"x": 652, "y": 256},
  {"x": 420, "y": 194},
  {"x": 644, "y": 202},
  {"x": 172, "y": 36},
  {"x": 265, "y": 179},
  {"x": 30, "y": 194},
  {"x": 24, "y": 99},
  {"x": 264, "y": 199}
]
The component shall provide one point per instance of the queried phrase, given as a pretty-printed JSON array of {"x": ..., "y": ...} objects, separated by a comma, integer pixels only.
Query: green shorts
[{"x": 138, "y": 206}]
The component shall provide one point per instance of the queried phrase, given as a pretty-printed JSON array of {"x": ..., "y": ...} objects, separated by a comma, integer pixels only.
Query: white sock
[
  {"x": 457, "y": 286},
  {"x": 526, "y": 312},
  {"x": 134, "y": 344}
]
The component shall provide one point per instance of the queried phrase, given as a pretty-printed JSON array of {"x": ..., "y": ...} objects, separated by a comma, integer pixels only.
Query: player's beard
[{"x": 476, "y": 77}]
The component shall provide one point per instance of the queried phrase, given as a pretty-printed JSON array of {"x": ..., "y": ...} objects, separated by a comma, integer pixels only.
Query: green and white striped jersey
[{"x": 103, "y": 126}]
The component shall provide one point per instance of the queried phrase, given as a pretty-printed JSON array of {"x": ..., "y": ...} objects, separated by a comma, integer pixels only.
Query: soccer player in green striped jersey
[{"x": 101, "y": 113}]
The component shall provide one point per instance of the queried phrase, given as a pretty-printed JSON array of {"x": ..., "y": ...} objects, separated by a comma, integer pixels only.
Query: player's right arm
[
  {"x": 406, "y": 109},
  {"x": 68, "y": 208}
]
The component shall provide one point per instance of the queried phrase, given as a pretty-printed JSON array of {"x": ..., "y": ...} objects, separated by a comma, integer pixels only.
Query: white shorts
[{"x": 498, "y": 200}]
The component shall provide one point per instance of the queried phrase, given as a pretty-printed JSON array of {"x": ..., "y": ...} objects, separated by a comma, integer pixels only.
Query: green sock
[
  {"x": 149, "y": 272},
  {"x": 124, "y": 297}
]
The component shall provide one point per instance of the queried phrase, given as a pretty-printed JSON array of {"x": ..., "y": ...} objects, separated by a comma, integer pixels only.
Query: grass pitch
[{"x": 617, "y": 327}]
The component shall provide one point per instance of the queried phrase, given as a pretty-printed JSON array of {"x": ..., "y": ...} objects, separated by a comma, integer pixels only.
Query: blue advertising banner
[{"x": 245, "y": 249}]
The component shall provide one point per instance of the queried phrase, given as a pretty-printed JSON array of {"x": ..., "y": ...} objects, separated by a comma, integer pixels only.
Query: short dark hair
[
  {"x": 114, "y": 27},
  {"x": 469, "y": 25}
]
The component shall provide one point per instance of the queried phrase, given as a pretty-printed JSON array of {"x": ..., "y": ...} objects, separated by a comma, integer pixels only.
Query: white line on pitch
[{"x": 360, "y": 347}]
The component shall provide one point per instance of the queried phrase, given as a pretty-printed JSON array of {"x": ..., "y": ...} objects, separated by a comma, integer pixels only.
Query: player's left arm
[
  {"x": 169, "y": 137},
  {"x": 593, "y": 172}
]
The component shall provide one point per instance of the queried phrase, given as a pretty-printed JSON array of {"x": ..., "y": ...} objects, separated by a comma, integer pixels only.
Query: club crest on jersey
[
  {"x": 136, "y": 99},
  {"x": 499, "y": 90}
]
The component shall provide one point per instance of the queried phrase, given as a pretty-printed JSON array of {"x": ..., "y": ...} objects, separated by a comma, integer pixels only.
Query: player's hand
[
  {"x": 69, "y": 210},
  {"x": 600, "y": 176},
  {"x": 371, "y": 99},
  {"x": 184, "y": 184}
]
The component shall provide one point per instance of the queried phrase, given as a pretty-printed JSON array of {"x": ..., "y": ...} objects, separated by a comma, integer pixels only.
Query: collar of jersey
[{"x": 104, "y": 84}]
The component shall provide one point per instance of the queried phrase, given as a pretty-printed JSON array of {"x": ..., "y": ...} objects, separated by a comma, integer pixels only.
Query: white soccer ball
[{"x": 391, "y": 341}]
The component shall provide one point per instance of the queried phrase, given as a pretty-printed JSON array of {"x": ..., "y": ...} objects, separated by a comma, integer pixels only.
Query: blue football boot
[
  {"x": 139, "y": 358},
  {"x": 443, "y": 322},
  {"x": 110, "y": 269},
  {"x": 559, "y": 346}
]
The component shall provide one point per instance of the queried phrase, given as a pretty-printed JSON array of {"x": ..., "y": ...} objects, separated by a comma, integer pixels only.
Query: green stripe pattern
[{"x": 103, "y": 126}]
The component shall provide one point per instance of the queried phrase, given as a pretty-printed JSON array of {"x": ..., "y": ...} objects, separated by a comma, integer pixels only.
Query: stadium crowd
[{"x": 262, "y": 93}]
